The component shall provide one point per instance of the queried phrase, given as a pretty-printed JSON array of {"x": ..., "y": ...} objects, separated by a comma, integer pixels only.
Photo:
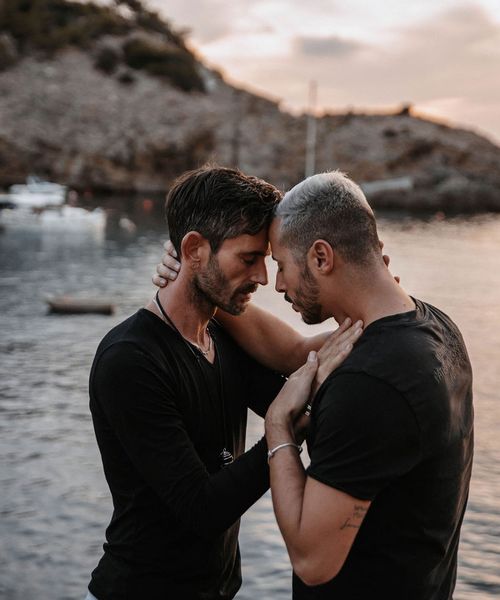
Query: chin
[
  {"x": 313, "y": 317},
  {"x": 311, "y": 320},
  {"x": 234, "y": 309}
]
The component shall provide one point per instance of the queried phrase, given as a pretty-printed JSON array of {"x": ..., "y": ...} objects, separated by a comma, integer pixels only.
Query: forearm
[
  {"x": 227, "y": 494},
  {"x": 269, "y": 340},
  {"x": 288, "y": 481}
]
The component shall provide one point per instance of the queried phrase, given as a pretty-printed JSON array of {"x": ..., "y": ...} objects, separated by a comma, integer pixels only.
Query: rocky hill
[{"x": 113, "y": 99}]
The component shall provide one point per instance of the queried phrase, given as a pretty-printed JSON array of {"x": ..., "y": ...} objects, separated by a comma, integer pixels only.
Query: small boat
[
  {"x": 66, "y": 305},
  {"x": 36, "y": 193}
]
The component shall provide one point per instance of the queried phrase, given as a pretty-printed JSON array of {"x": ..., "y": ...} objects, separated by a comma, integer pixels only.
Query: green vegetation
[
  {"x": 163, "y": 60},
  {"x": 107, "y": 60},
  {"x": 48, "y": 26}
]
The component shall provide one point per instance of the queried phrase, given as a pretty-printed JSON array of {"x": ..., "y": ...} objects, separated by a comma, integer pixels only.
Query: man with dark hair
[
  {"x": 378, "y": 512},
  {"x": 228, "y": 204},
  {"x": 169, "y": 393}
]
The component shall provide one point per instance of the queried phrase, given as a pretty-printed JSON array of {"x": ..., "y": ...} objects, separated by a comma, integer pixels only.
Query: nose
[
  {"x": 279, "y": 285},
  {"x": 260, "y": 275}
]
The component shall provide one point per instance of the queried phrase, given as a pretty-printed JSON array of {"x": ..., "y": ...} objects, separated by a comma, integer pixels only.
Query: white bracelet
[{"x": 272, "y": 452}]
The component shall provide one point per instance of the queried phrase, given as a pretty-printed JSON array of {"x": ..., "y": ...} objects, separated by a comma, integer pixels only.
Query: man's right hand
[{"x": 335, "y": 349}]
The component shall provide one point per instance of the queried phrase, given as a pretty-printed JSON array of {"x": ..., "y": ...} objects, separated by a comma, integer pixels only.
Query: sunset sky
[{"x": 443, "y": 56}]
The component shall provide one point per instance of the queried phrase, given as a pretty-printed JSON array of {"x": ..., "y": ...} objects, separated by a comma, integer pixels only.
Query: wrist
[{"x": 278, "y": 432}]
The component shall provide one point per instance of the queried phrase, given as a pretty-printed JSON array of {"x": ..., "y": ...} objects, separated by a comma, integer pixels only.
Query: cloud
[
  {"x": 359, "y": 57},
  {"x": 208, "y": 21},
  {"x": 455, "y": 53},
  {"x": 332, "y": 46}
]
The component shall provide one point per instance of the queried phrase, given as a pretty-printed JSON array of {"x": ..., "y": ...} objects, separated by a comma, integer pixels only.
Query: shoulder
[
  {"x": 132, "y": 348},
  {"x": 408, "y": 347}
]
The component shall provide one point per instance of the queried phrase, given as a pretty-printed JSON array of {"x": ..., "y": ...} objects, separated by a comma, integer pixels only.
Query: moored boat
[
  {"x": 66, "y": 305},
  {"x": 36, "y": 193}
]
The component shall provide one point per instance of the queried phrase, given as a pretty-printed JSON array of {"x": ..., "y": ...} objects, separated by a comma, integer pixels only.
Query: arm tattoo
[{"x": 355, "y": 520}]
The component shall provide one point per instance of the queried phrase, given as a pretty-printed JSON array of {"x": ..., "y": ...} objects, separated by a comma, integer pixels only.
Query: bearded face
[
  {"x": 218, "y": 289},
  {"x": 306, "y": 298}
]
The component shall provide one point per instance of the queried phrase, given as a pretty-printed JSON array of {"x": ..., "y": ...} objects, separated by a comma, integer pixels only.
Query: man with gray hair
[{"x": 377, "y": 514}]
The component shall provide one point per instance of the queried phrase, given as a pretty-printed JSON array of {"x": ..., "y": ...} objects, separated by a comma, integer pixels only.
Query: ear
[
  {"x": 321, "y": 257},
  {"x": 195, "y": 249}
]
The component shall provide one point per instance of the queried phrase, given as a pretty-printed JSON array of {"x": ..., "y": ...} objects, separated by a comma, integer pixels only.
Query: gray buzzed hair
[{"x": 331, "y": 207}]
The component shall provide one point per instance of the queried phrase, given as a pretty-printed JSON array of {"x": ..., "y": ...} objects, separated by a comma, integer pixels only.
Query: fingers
[
  {"x": 170, "y": 262},
  {"x": 332, "y": 362},
  {"x": 345, "y": 333},
  {"x": 167, "y": 271},
  {"x": 169, "y": 268},
  {"x": 308, "y": 369},
  {"x": 169, "y": 247},
  {"x": 158, "y": 281},
  {"x": 343, "y": 327}
]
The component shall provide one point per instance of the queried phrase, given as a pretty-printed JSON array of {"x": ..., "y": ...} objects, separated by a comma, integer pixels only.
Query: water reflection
[{"x": 54, "y": 502}]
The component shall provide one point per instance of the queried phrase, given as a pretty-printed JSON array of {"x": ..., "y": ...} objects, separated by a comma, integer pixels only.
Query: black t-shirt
[
  {"x": 394, "y": 425},
  {"x": 162, "y": 416}
]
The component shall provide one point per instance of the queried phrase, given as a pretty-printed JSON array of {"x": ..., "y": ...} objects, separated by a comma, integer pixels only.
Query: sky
[{"x": 442, "y": 56}]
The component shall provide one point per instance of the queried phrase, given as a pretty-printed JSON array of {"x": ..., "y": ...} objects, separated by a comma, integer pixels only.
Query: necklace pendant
[{"x": 225, "y": 458}]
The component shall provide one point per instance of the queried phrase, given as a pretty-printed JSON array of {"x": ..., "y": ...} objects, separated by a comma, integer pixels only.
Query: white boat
[
  {"x": 36, "y": 193},
  {"x": 60, "y": 218}
]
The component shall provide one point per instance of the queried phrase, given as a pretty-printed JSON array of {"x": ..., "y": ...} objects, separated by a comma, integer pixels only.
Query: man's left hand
[{"x": 169, "y": 268}]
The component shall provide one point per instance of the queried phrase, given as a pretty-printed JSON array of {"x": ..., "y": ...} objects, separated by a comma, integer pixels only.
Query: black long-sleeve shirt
[{"x": 162, "y": 415}]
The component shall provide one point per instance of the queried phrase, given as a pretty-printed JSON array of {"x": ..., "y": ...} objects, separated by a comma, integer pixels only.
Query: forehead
[
  {"x": 247, "y": 244},
  {"x": 277, "y": 247}
]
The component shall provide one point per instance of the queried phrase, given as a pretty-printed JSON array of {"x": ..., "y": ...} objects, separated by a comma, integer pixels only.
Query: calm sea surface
[{"x": 54, "y": 502}]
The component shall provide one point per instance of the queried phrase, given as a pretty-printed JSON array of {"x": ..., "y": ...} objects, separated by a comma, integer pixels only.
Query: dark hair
[
  {"x": 331, "y": 207},
  {"x": 220, "y": 203}
]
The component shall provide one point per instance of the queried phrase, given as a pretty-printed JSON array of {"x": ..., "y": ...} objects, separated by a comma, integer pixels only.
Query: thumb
[
  {"x": 308, "y": 370},
  {"x": 312, "y": 357},
  {"x": 311, "y": 365}
]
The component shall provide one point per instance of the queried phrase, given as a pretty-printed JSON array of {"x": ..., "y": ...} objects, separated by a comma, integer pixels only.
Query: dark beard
[
  {"x": 212, "y": 288},
  {"x": 306, "y": 298}
]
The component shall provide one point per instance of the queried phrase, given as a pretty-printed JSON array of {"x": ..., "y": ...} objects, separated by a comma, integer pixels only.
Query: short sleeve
[{"x": 364, "y": 435}]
